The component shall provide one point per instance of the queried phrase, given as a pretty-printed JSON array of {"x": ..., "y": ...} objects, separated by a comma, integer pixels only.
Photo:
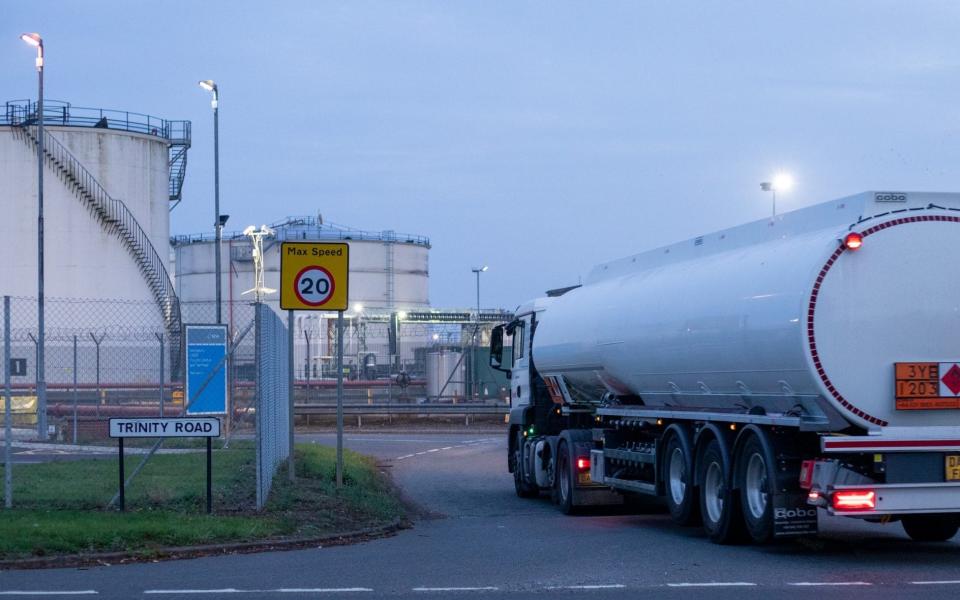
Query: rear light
[
  {"x": 583, "y": 464},
  {"x": 853, "y": 241},
  {"x": 854, "y": 500},
  {"x": 813, "y": 496}
]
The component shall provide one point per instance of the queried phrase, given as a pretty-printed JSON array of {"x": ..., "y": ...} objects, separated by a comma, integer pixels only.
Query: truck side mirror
[{"x": 496, "y": 348}]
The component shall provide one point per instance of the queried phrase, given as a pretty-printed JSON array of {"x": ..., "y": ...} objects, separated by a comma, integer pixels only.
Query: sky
[{"x": 538, "y": 138}]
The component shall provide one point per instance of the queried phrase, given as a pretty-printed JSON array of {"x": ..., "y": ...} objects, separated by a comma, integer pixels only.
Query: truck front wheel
[
  {"x": 931, "y": 528},
  {"x": 523, "y": 489}
]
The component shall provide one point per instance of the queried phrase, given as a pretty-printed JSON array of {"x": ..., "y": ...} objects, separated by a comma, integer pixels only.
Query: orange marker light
[{"x": 853, "y": 241}]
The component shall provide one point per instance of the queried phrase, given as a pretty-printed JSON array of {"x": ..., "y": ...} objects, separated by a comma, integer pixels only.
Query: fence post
[
  {"x": 339, "y": 399},
  {"x": 97, "y": 343},
  {"x": 160, "y": 338},
  {"x": 75, "y": 390},
  {"x": 306, "y": 334},
  {"x": 7, "y": 412},
  {"x": 258, "y": 399}
]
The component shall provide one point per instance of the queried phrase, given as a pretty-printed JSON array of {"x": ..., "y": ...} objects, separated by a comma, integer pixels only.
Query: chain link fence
[{"x": 272, "y": 398}]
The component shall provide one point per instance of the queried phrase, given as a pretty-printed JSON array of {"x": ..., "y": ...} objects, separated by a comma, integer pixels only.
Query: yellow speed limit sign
[{"x": 314, "y": 276}]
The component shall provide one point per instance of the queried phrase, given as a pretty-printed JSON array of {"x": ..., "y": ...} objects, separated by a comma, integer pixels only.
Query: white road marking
[
  {"x": 278, "y": 590},
  {"x": 826, "y": 583},
  {"x": 434, "y": 450},
  {"x": 319, "y": 590},
  {"x": 49, "y": 593},
  {"x": 944, "y": 582},
  {"x": 217, "y": 591},
  {"x": 447, "y": 448},
  {"x": 419, "y": 453},
  {"x": 714, "y": 584},
  {"x": 455, "y": 589},
  {"x": 404, "y": 456},
  {"x": 602, "y": 586}
]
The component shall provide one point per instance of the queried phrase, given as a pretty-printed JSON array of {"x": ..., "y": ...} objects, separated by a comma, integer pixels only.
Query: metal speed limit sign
[{"x": 314, "y": 276}]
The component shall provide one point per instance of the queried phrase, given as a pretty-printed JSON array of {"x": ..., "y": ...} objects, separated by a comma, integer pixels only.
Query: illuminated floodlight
[
  {"x": 33, "y": 39},
  {"x": 782, "y": 182}
]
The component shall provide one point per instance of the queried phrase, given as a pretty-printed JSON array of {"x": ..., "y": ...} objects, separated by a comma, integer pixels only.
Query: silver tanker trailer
[{"x": 755, "y": 375}]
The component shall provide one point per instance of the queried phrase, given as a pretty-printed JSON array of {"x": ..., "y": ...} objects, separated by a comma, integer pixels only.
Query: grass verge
[{"x": 60, "y": 507}]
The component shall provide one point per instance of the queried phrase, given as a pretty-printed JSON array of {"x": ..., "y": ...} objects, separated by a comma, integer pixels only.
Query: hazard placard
[{"x": 314, "y": 276}]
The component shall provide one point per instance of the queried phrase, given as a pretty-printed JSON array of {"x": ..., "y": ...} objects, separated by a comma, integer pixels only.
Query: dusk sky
[{"x": 538, "y": 138}]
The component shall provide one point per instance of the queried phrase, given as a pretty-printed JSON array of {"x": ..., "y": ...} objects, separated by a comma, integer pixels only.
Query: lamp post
[
  {"x": 218, "y": 223},
  {"x": 476, "y": 341},
  {"x": 781, "y": 182},
  {"x": 36, "y": 41}
]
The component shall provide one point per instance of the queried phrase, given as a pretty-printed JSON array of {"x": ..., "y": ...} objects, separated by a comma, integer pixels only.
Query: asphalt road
[{"x": 478, "y": 539}]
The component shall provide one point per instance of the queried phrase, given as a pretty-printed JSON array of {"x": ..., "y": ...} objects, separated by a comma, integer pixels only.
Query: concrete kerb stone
[{"x": 181, "y": 552}]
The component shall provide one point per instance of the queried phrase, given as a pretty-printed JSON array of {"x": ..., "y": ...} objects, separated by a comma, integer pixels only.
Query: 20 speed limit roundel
[{"x": 314, "y": 285}]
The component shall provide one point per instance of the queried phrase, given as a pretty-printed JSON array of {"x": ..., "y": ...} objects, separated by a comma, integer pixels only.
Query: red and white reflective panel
[{"x": 854, "y": 500}]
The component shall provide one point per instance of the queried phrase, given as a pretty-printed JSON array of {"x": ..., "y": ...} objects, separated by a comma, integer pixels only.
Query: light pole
[
  {"x": 476, "y": 334},
  {"x": 781, "y": 182},
  {"x": 36, "y": 41},
  {"x": 218, "y": 223}
]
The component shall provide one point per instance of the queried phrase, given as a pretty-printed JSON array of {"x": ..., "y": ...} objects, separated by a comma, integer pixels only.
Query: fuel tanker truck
[{"x": 754, "y": 376}]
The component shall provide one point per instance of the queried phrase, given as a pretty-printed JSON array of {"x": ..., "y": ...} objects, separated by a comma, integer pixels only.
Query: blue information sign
[{"x": 206, "y": 347}]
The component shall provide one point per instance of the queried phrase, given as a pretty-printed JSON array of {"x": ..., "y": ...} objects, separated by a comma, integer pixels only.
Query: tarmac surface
[{"x": 476, "y": 538}]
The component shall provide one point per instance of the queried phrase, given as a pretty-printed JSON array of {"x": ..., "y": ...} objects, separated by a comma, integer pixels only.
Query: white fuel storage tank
[{"x": 777, "y": 316}]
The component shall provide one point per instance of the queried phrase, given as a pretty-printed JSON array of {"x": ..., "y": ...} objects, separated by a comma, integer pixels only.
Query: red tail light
[
  {"x": 853, "y": 241},
  {"x": 583, "y": 464},
  {"x": 854, "y": 500}
]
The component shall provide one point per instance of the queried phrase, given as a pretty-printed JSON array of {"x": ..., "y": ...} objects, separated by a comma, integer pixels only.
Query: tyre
[
  {"x": 523, "y": 489},
  {"x": 719, "y": 508},
  {"x": 931, "y": 528},
  {"x": 756, "y": 480},
  {"x": 679, "y": 480},
  {"x": 563, "y": 482}
]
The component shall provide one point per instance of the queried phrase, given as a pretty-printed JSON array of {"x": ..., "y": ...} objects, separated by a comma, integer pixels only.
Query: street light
[
  {"x": 476, "y": 332},
  {"x": 34, "y": 39},
  {"x": 218, "y": 223},
  {"x": 781, "y": 182}
]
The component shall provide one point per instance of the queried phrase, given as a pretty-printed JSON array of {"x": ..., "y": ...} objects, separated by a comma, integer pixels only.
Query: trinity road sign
[
  {"x": 314, "y": 276},
  {"x": 190, "y": 427}
]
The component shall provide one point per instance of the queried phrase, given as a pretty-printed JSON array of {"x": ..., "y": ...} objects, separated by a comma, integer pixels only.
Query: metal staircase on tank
[
  {"x": 117, "y": 219},
  {"x": 179, "y": 138}
]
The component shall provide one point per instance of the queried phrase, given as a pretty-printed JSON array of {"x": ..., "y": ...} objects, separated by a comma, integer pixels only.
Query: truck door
[{"x": 520, "y": 372}]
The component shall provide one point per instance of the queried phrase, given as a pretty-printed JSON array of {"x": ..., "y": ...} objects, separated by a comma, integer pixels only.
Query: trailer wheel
[
  {"x": 523, "y": 489},
  {"x": 563, "y": 486},
  {"x": 931, "y": 528},
  {"x": 722, "y": 519},
  {"x": 679, "y": 480},
  {"x": 755, "y": 479}
]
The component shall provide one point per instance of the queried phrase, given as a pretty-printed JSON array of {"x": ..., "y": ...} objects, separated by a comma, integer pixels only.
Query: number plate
[
  {"x": 583, "y": 478},
  {"x": 927, "y": 385},
  {"x": 953, "y": 467}
]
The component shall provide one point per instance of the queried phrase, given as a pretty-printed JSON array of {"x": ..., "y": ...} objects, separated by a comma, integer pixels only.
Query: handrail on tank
[
  {"x": 312, "y": 229},
  {"x": 58, "y": 113}
]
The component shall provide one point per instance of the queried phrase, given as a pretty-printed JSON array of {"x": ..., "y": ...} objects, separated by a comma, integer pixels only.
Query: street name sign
[
  {"x": 180, "y": 427},
  {"x": 314, "y": 276}
]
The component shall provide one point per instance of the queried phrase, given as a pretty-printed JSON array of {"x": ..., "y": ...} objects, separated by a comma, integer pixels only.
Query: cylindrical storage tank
[
  {"x": 445, "y": 375},
  {"x": 84, "y": 257},
  {"x": 775, "y": 316}
]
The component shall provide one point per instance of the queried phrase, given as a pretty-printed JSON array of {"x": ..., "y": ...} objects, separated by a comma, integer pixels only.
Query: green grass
[{"x": 60, "y": 507}]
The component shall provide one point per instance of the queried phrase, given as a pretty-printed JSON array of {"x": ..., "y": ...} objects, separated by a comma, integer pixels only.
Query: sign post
[
  {"x": 315, "y": 276},
  {"x": 208, "y": 427}
]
